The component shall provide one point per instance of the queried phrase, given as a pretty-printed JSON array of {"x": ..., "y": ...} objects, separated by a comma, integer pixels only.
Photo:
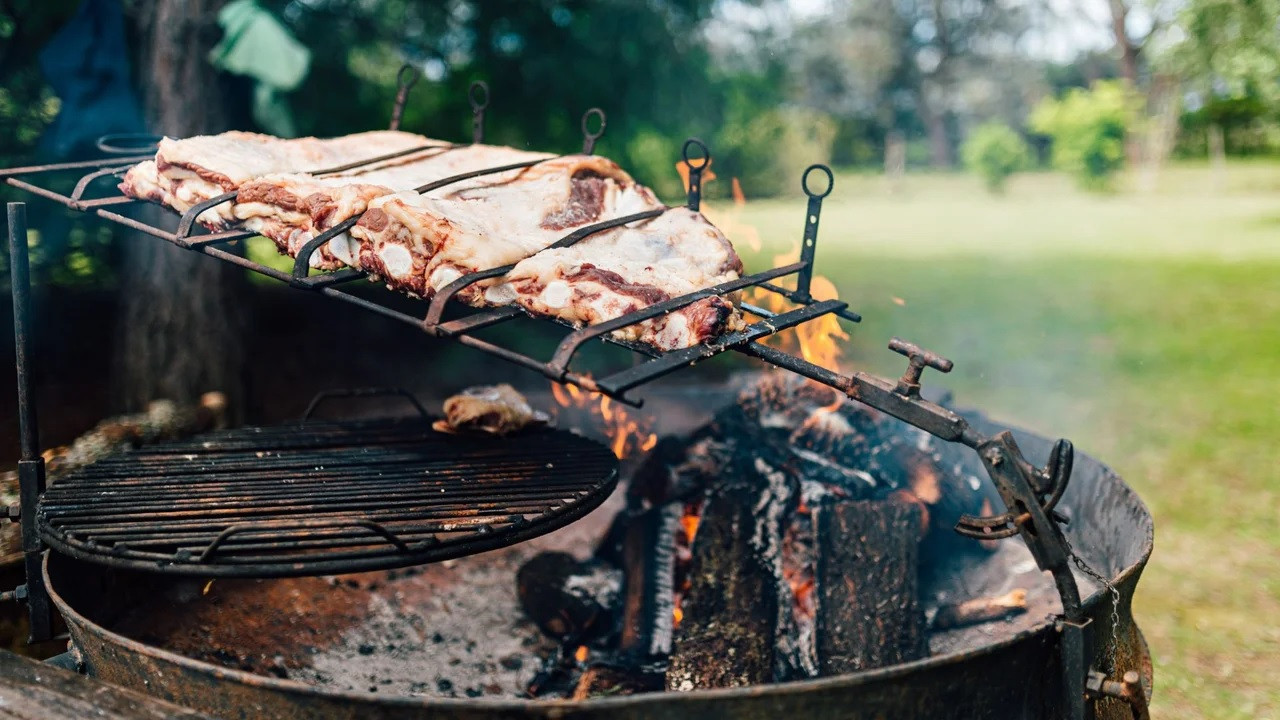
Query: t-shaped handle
[{"x": 909, "y": 383}]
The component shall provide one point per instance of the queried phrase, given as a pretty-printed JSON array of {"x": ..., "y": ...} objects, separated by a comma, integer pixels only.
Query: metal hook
[
  {"x": 406, "y": 78},
  {"x": 589, "y": 138},
  {"x": 695, "y": 171},
  {"x": 805, "y": 278},
  {"x": 128, "y": 143},
  {"x": 478, "y": 105}
]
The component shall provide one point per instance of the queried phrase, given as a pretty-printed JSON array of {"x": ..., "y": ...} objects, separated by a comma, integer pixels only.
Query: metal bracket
[{"x": 1129, "y": 689}]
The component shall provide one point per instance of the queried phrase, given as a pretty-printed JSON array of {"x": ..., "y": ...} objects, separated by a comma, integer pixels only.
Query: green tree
[
  {"x": 1229, "y": 48},
  {"x": 1088, "y": 129},
  {"x": 994, "y": 151}
]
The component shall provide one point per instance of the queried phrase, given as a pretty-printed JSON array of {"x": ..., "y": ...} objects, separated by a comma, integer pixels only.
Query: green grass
[{"x": 1145, "y": 327}]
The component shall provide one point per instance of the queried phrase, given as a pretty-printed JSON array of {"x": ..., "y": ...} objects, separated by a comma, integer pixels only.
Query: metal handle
[
  {"x": 909, "y": 383},
  {"x": 1130, "y": 689},
  {"x": 128, "y": 143},
  {"x": 364, "y": 393},
  {"x": 301, "y": 525}
]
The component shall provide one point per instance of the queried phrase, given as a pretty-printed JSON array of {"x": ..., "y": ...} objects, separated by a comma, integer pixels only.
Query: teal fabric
[{"x": 255, "y": 44}]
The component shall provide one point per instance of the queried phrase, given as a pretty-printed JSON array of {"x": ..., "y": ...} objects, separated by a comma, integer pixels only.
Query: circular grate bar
[{"x": 323, "y": 497}]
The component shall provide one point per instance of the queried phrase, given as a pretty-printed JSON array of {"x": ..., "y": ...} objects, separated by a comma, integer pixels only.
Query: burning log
[
  {"x": 603, "y": 680},
  {"x": 730, "y": 613},
  {"x": 870, "y": 614},
  {"x": 648, "y": 561}
]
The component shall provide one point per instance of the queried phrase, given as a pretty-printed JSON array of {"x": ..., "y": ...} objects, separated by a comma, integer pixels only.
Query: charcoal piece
[
  {"x": 611, "y": 680},
  {"x": 676, "y": 468},
  {"x": 648, "y": 562},
  {"x": 566, "y": 597},
  {"x": 726, "y": 637},
  {"x": 869, "y": 612}
]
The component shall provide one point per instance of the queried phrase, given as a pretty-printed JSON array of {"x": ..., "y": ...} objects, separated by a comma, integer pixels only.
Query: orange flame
[
  {"x": 819, "y": 340},
  {"x": 581, "y": 654},
  {"x": 690, "y": 525},
  {"x": 626, "y": 434},
  {"x": 677, "y": 615}
]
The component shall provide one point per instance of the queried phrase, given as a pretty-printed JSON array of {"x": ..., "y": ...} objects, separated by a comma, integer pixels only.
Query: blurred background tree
[{"x": 993, "y": 152}]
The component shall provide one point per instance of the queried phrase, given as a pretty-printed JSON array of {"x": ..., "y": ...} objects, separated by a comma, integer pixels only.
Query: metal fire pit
[{"x": 1015, "y": 676}]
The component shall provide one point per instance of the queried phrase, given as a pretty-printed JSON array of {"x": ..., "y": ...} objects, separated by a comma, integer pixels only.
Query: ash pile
[{"x": 796, "y": 535}]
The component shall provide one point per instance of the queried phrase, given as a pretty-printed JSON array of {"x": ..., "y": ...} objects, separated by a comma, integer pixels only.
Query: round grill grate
[{"x": 323, "y": 497}]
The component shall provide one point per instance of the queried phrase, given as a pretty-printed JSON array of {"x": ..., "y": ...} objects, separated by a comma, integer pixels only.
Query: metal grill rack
[
  {"x": 1029, "y": 492},
  {"x": 322, "y": 497},
  {"x": 462, "y": 329}
]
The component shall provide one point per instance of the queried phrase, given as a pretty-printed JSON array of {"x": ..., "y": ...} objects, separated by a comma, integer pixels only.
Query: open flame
[
  {"x": 627, "y": 434},
  {"x": 819, "y": 340},
  {"x": 689, "y": 520}
]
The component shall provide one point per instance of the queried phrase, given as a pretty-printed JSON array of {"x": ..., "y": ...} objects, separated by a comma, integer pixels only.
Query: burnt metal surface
[
  {"x": 323, "y": 497},
  {"x": 1013, "y": 676}
]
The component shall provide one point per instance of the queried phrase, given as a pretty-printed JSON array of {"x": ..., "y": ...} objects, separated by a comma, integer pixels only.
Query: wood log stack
[{"x": 784, "y": 540}]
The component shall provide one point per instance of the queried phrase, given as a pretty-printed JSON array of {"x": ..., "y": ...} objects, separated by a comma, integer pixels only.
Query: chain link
[{"x": 1113, "y": 648}]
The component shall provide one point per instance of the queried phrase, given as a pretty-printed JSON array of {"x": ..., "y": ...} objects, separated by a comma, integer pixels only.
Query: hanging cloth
[
  {"x": 255, "y": 44},
  {"x": 86, "y": 64}
]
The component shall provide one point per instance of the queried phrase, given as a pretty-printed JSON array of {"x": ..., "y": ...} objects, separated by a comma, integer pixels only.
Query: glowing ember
[
  {"x": 690, "y": 525},
  {"x": 581, "y": 654},
  {"x": 677, "y": 615},
  {"x": 626, "y": 434}
]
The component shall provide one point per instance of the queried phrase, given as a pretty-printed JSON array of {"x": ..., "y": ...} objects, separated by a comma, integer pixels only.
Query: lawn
[{"x": 1145, "y": 326}]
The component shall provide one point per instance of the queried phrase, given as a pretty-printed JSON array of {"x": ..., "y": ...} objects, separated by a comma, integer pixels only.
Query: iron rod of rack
[{"x": 31, "y": 479}]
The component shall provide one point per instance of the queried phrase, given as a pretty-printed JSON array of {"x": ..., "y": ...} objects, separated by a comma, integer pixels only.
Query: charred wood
[
  {"x": 869, "y": 611},
  {"x": 979, "y": 610},
  {"x": 726, "y": 637},
  {"x": 568, "y": 598},
  {"x": 604, "y": 680},
  {"x": 648, "y": 562}
]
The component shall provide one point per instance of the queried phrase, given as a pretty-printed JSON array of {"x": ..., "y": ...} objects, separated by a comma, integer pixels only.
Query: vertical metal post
[
  {"x": 810, "y": 242},
  {"x": 31, "y": 464}
]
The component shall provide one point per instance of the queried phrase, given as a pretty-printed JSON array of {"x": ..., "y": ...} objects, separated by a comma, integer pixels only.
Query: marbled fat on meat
[{"x": 420, "y": 243}]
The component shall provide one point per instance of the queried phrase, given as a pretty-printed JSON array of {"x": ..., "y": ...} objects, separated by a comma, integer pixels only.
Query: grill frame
[{"x": 101, "y": 513}]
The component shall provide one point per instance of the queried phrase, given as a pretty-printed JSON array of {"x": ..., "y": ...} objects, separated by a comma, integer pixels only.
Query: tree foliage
[
  {"x": 1229, "y": 48},
  {"x": 994, "y": 151},
  {"x": 1088, "y": 129}
]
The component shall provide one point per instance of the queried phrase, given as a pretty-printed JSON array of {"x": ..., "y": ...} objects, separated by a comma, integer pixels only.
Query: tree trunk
[
  {"x": 1125, "y": 46},
  {"x": 935, "y": 123},
  {"x": 181, "y": 321}
]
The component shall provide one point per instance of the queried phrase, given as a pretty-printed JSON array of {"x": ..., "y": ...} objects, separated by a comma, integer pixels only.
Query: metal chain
[{"x": 1114, "y": 646}]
